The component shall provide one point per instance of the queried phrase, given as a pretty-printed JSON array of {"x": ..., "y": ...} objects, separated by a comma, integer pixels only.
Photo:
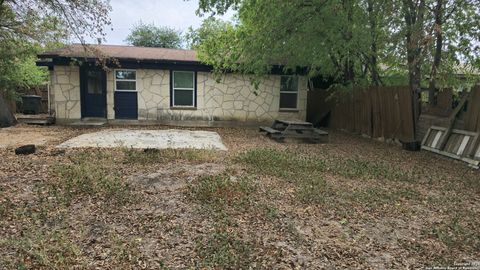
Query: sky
[{"x": 179, "y": 14}]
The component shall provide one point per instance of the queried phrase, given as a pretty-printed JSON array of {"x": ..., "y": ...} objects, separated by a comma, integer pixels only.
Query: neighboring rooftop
[{"x": 122, "y": 52}]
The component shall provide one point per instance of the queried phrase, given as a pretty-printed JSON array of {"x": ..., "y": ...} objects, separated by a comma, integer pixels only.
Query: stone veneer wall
[
  {"x": 233, "y": 99},
  {"x": 65, "y": 87},
  {"x": 153, "y": 93},
  {"x": 110, "y": 95}
]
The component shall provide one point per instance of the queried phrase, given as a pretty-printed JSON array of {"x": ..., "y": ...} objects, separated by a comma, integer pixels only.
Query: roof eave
[
  {"x": 138, "y": 60},
  {"x": 151, "y": 63}
]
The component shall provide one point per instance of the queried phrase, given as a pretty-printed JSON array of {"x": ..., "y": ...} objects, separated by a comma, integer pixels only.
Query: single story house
[{"x": 165, "y": 86}]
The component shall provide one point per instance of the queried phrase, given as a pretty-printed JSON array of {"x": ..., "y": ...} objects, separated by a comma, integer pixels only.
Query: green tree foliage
[
  {"x": 149, "y": 35},
  {"x": 41, "y": 19},
  {"x": 209, "y": 28},
  {"x": 351, "y": 41},
  {"x": 217, "y": 6},
  {"x": 27, "y": 27},
  {"x": 18, "y": 68},
  {"x": 330, "y": 38}
]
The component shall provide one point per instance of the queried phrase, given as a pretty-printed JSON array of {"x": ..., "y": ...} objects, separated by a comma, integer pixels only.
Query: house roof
[
  {"x": 133, "y": 57},
  {"x": 122, "y": 52}
]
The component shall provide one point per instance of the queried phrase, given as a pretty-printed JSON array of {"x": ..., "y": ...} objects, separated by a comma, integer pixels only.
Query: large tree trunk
[
  {"x": 348, "y": 65},
  {"x": 372, "y": 18},
  {"x": 432, "y": 87},
  {"x": 6, "y": 117},
  {"x": 414, "y": 21}
]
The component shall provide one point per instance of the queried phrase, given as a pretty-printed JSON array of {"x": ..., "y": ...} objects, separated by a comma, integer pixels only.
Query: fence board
[
  {"x": 407, "y": 126},
  {"x": 375, "y": 111},
  {"x": 472, "y": 117}
]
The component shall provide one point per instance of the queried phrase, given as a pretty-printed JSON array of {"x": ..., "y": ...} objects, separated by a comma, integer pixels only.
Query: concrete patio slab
[{"x": 152, "y": 139}]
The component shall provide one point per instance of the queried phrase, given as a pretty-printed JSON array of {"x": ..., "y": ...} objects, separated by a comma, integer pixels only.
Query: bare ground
[{"x": 352, "y": 203}]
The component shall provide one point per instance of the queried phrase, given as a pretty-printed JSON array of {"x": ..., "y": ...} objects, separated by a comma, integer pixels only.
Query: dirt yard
[{"x": 352, "y": 203}]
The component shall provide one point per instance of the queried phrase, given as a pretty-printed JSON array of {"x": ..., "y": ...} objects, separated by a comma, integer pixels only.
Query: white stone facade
[
  {"x": 232, "y": 99},
  {"x": 65, "y": 86}
]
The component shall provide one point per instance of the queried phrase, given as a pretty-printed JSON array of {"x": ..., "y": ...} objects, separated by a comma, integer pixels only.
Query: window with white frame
[
  {"x": 125, "y": 80},
  {"x": 183, "y": 89},
  {"x": 288, "y": 92}
]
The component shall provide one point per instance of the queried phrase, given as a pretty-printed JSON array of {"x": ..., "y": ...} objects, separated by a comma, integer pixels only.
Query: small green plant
[
  {"x": 271, "y": 212},
  {"x": 90, "y": 176},
  {"x": 458, "y": 230},
  {"x": 220, "y": 190},
  {"x": 305, "y": 172},
  {"x": 152, "y": 156},
  {"x": 43, "y": 248},
  {"x": 312, "y": 189},
  {"x": 289, "y": 166},
  {"x": 366, "y": 169},
  {"x": 223, "y": 250},
  {"x": 373, "y": 197},
  {"x": 125, "y": 251},
  {"x": 6, "y": 206},
  {"x": 407, "y": 194}
]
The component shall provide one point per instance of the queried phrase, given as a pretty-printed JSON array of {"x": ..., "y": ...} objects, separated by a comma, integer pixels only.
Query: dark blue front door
[
  {"x": 93, "y": 88},
  {"x": 126, "y": 105}
]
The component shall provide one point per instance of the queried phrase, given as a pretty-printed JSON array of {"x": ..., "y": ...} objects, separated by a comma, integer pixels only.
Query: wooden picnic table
[{"x": 282, "y": 129}]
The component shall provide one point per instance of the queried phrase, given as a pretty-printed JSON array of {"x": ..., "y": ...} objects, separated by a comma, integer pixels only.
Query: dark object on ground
[
  {"x": 150, "y": 150},
  {"x": 6, "y": 117},
  {"x": 25, "y": 149},
  {"x": 31, "y": 104},
  {"x": 411, "y": 146},
  {"x": 282, "y": 129}
]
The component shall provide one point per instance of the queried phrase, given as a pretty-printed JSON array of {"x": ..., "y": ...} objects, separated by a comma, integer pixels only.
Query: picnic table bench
[{"x": 282, "y": 129}]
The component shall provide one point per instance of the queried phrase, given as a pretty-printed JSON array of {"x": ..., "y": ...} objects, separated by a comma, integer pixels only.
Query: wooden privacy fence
[
  {"x": 375, "y": 111},
  {"x": 472, "y": 114}
]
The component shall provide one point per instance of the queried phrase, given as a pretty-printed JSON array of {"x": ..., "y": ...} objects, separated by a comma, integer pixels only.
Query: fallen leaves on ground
[{"x": 351, "y": 203}]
